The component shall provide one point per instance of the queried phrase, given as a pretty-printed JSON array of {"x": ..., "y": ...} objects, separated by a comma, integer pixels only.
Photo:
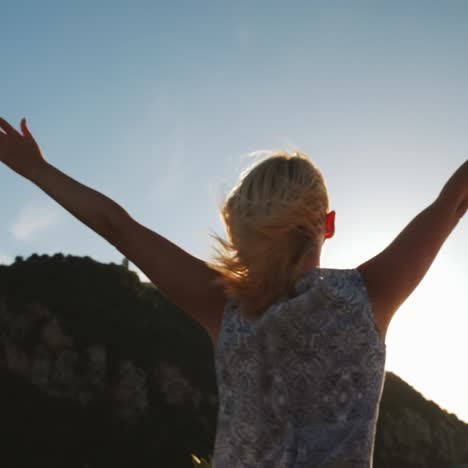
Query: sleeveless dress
[{"x": 301, "y": 386}]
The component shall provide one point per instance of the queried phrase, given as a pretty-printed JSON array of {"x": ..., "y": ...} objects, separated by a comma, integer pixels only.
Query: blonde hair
[{"x": 274, "y": 216}]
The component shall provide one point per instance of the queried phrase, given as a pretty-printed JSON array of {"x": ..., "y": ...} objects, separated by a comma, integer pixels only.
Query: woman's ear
[{"x": 330, "y": 225}]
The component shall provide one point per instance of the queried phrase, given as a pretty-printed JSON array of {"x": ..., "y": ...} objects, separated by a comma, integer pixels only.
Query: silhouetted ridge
[{"x": 98, "y": 369}]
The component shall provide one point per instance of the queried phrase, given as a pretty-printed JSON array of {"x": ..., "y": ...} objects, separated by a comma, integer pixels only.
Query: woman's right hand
[{"x": 20, "y": 152}]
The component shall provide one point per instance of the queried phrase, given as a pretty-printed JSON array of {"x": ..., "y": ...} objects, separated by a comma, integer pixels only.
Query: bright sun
[{"x": 426, "y": 341}]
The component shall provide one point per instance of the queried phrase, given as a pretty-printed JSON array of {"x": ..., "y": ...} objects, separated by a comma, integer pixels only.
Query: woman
[{"x": 300, "y": 349}]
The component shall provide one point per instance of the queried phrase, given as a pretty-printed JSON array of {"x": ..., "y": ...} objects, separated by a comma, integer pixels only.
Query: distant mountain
[
  {"x": 415, "y": 432},
  {"x": 99, "y": 370}
]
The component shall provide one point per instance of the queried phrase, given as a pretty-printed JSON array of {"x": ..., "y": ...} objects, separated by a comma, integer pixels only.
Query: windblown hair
[{"x": 274, "y": 216}]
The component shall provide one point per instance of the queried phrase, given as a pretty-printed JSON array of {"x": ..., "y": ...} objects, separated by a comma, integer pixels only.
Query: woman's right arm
[{"x": 392, "y": 275}]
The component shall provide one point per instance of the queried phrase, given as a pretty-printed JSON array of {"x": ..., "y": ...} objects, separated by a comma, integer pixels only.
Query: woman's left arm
[{"x": 185, "y": 280}]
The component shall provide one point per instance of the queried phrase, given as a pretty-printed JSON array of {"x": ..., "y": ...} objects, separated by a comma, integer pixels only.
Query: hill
[{"x": 99, "y": 370}]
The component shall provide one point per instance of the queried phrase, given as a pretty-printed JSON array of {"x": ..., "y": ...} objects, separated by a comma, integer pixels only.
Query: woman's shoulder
[{"x": 346, "y": 286}]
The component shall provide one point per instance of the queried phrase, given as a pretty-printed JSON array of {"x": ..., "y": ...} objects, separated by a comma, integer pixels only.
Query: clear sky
[{"x": 157, "y": 105}]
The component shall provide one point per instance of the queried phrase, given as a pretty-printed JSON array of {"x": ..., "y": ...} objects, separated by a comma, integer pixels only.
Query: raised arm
[
  {"x": 184, "y": 279},
  {"x": 392, "y": 275}
]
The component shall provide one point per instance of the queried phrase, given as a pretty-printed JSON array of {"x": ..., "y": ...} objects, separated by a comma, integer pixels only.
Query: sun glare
[{"x": 427, "y": 339}]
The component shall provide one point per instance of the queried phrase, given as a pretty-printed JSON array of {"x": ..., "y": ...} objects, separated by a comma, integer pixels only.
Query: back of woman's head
[{"x": 274, "y": 217}]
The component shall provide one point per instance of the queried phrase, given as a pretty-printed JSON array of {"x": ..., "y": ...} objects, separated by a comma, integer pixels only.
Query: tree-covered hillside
[{"x": 99, "y": 370}]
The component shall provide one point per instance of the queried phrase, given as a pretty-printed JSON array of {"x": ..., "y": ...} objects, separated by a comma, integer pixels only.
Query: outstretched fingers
[
  {"x": 25, "y": 129},
  {"x": 7, "y": 128}
]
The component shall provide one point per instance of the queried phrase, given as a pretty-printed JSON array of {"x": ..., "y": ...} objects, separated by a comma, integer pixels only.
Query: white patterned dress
[{"x": 301, "y": 386}]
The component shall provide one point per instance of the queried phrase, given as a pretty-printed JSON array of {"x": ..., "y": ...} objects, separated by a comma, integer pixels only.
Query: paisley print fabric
[{"x": 301, "y": 386}]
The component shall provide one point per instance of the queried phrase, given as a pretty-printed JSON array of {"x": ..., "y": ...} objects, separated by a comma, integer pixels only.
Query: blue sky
[{"x": 159, "y": 104}]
